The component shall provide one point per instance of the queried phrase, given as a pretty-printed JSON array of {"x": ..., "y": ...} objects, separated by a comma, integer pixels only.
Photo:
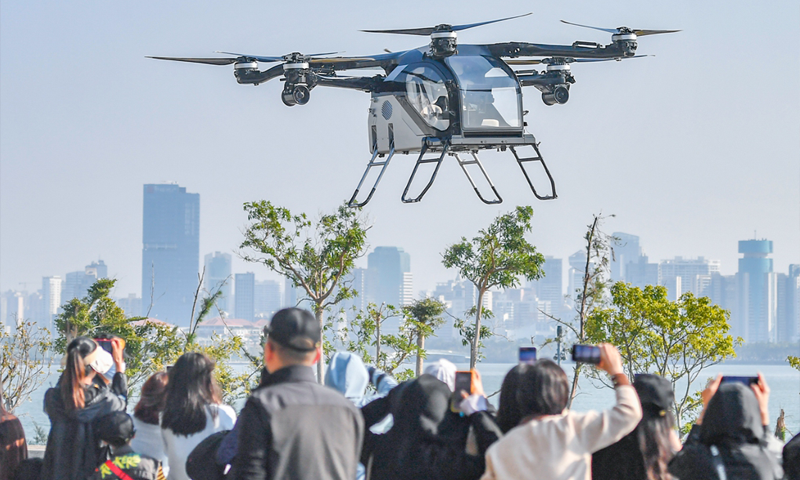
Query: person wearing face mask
[{"x": 83, "y": 394}]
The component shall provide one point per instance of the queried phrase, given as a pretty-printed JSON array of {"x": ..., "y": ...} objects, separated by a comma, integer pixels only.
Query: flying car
[{"x": 442, "y": 99}]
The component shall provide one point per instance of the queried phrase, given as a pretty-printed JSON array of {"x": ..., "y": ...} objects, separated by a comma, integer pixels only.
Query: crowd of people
[{"x": 362, "y": 424}]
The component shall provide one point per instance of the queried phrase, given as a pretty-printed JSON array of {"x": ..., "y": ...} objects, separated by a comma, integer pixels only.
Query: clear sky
[{"x": 692, "y": 149}]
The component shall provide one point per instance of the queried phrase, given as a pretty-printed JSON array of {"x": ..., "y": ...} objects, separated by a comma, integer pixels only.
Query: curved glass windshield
[
  {"x": 427, "y": 94},
  {"x": 489, "y": 94}
]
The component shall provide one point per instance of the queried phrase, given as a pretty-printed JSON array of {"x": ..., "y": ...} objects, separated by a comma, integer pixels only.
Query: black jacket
[
  {"x": 732, "y": 423},
  {"x": 73, "y": 450},
  {"x": 138, "y": 467},
  {"x": 620, "y": 460},
  {"x": 295, "y": 428},
  {"x": 427, "y": 440}
]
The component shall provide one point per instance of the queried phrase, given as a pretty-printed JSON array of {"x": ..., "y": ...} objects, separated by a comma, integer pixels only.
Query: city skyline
[{"x": 671, "y": 157}]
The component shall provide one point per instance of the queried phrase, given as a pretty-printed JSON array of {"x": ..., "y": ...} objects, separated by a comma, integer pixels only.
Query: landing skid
[{"x": 442, "y": 147}]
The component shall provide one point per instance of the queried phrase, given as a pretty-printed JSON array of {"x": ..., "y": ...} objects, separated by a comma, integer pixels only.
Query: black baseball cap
[
  {"x": 116, "y": 428},
  {"x": 654, "y": 390},
  {"x": 294, "y": 328}
]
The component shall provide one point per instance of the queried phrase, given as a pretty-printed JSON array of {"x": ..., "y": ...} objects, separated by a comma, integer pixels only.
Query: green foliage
[
  {"x": 39, "y": 435},
  {"x": 424, "y": 317},
  {"x": 150, "y": 345},
  {"x": 794, "y": 362},
  {"x": 496, "y": 258},
  {"x": 316, "y": 256},
  {"x": 676, "y": 340},
  {"x": 23, "y": 367},
  {"x": 466, "y": 329}
]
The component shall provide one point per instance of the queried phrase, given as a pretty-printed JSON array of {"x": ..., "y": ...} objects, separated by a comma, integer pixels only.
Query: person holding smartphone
[
  {"x": 554, "y": 443},
  {"x": 731, "y": 437},
  {"x": 81, "y": 397}
]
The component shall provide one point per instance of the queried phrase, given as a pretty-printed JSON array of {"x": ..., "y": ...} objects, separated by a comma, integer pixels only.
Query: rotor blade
[
  {"x": 587, "y": 60},
  {"x": 339, "y": 60},
  {"x": 457, "y": 28},
  {"x": 642, "y": 33},
  {"x": 425, "y": 31},
  {"x": 207, "y": 61},
  {"x": 255, "y": 57},
  {"x": 523, "y": 62},
  {"x": 609, "y": 30}
]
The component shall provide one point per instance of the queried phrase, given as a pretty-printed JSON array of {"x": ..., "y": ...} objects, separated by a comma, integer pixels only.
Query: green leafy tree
[
  {"x": 496, "y": 258},
  {"x": 675, "y": 339},
  {"x": 316, "y": 256},
  {"x": 425, "y": 316},
  {"x": 23, "y": 366},
  {"x": 794, "y": 362},
  {"x": 149, "y": 344},
  {"x": 466, "y": 329}
]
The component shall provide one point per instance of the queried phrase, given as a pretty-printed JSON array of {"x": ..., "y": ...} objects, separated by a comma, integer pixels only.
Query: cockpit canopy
[{"x": 491, "y": 99}]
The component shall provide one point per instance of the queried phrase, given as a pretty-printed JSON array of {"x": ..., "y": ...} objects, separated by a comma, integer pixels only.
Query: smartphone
[
  {"x": 746, "y": 380},
  {"x": 586, "y": 354},
  {"x": 464, "y": 381},
  {"x": 105, "y": 342},
  {"x": 527, "y": 355}
]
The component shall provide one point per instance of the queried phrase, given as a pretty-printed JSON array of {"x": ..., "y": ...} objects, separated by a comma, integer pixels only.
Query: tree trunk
[
  {"x": 473, "y": 354},
  {"x": 574, "y": 389},
  {"x": 420, "y": 347},
  {"x": 377, "y": 339},
  {"x": 320, "y": 366}
]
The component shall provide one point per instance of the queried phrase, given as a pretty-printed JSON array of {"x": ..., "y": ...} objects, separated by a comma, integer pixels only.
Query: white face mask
[{"x": 103, "y": 364}]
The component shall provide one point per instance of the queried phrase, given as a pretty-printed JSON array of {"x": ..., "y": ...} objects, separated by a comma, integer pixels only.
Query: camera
[
  {"x": 104, "y": 341},
  {"x": 527, "y": 355},
  {"x": 586, "y": 354}
]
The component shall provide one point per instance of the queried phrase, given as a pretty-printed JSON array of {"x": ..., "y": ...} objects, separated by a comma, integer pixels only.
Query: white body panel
[{"x": 407, "y": 135}]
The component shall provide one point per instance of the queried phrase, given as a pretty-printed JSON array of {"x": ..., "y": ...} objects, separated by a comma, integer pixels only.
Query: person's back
[
  {"x": 117, "y": 430},
  {"x": 644, "y": 453},
  {"x": 552, "y": 443},
  {"x": 296, "y": 428},
  {"x": 730, "y": 435},
  {"x": 13, "y": 449}
]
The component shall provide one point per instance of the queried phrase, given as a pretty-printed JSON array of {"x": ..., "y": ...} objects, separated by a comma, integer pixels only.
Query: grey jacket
[{"x": 294, "y": 428}]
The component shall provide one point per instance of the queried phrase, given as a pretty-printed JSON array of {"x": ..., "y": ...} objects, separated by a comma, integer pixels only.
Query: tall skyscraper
[
  {"x": 789, "y": 305},
  {"x": 98, "y": 269},
  {"x": 218, "y": 276},
  {"x": 695, "y": 275},
  {"x": 550, "y": 288},
  {"x": 170, "y": 252},
  {"x": 577, "y": 271},
  {"x": 245, "y": 296},
  {"x": 626, "y": 251},
  {"x": 386, "y": 282},
  {"x": 266, "y": 298},
  {"x": 641, "y": 272},
  {"x": 757, "y": 292},
  {"x": 51, "y": 300}
]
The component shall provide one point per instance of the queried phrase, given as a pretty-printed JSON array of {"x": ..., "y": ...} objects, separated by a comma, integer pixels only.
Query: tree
[
  {"x": 675, "y": 339},
  {"x": 425, "y": 316},
  {"x": 794, "y": 362},
  {"x": 23, "y": 366},
  {"x": 316, "y": 256},
  {"x": 149, "y": 344},
  {"x": 590, "y": 294},
  {"x": 497, "y": 257}
]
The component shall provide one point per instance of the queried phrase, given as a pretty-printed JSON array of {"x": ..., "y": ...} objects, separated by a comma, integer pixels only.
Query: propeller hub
[
  {"x": 624, "y": 37},
  {"x": 295, "y": 66},
  {"x": 557, "y": 67},
  {"x": 444, "y": 34},
  {"x": 246, "y": 65}
]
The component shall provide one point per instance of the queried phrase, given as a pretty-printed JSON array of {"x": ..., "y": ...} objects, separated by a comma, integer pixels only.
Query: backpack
[{"x": 202, "y": 462}]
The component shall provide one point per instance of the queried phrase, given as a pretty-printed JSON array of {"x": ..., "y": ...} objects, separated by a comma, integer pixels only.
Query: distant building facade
[
  {"x": 170, "y": 252},
  {"x": 756, "y": 315},
  {"x": 266, "y": 298},
  {"x": 245, "y": 296},
  {"x": 218, "y": 276}
]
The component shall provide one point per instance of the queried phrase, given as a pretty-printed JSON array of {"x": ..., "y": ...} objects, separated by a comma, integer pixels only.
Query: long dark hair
[
  {"x": 653, "y": 437},
  {"x": 508, "y": 414},
  {"x": 75, "y": 371},
  {"x": 543, "y": 389},
  {"x": 153, "y": 398},
  {"x": 190, "y": 387}
]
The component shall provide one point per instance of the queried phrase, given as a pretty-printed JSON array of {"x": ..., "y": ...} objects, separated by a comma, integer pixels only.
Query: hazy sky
[{"x": 692, "y": 150}]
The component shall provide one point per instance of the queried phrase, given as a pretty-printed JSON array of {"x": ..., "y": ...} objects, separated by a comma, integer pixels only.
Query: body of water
[{"x": 784, "y": 383}]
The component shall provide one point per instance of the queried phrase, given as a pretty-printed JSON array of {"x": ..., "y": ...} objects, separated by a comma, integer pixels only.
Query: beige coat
[{"x": 560, "y": 447}]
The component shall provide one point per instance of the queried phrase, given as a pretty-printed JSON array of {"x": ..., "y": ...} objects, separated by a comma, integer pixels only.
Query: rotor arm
[
  {"x": 576, "y": 50},
  {"x": 255, "y": 76},
  {"x": 367, "y": 84}
]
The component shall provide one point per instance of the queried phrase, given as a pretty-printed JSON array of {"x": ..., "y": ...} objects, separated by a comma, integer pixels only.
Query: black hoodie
[
  {"x": 73, "y": 450},
  {"x": 732, "y": 423},
  {"x": 427, "y": 440}
]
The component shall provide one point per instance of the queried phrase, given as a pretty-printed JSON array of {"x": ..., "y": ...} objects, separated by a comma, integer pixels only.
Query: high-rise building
[
  {"x": 131, "y": 305},
  {"x": 218, "y": 276},
  {"x": 77, "y": 284},
  {"x": 550, "y": 288},
  {"x": 245, "y": 296},
  {"x": 626, "y": 250},
  {"x": 98, "y": 269},
  {"x": 756, "y": 314},
  {"x": 170, "y": 252},
  {"x": 695, "y": 275},
  {"x": 789, "y": 305},
  {"x": 51, "y": 300},
  {"x": 385, "y": 282},
  {"x": 641, "y": 272},
  {"x": 266, "y": 298},
  {"x": 577, "y": 271}
]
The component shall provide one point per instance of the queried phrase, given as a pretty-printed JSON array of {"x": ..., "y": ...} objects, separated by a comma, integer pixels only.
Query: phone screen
[
  {"x": 464, "y": 382},
  {"x": 746, "y": 380},
  {"x": 586, "y": 354},
  {"x": 527, "y": 355}
]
